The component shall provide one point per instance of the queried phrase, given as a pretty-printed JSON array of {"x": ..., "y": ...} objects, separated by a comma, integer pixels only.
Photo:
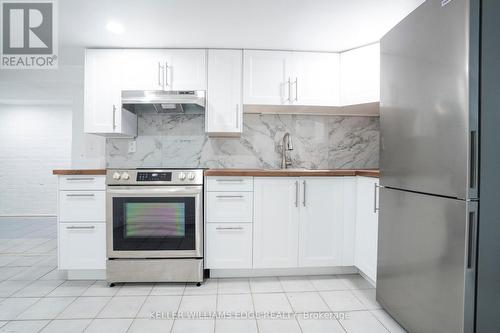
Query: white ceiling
[{"x": 321, "y": 25}]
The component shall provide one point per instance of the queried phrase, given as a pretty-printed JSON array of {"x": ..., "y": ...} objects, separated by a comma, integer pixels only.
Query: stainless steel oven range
[{"x": 154, "y": 225}]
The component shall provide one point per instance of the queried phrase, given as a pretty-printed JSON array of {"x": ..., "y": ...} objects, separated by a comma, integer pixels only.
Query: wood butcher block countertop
[
  {"x": 73, "y": 172},
  {"x": 291, "y": 172}
]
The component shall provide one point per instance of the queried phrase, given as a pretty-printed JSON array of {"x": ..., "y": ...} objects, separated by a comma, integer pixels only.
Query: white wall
[{"x": 34, "y": 139}]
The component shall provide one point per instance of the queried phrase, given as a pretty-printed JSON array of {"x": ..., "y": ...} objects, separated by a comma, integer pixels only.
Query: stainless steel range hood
[{"x": 159, "y": 101}]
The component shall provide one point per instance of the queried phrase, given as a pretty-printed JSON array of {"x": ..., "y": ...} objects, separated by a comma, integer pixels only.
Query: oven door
[{"x": 154, "y": 222}]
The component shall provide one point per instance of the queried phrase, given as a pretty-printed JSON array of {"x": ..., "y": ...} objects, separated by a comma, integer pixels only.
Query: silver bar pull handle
[
  {"x": 473, "y": 160},
  {"x": 237, "y": 116},
  {"x": 160, "y": 72},
  {"x": 114, "y": 117},
  {"x": 81, "y": 195},
  {"x": 80, "y": 227},
  {"x": 81, "y": 178},
  {"x": 289, "y": 90},
  {"x": 471, "y": 240},
  {"x": 375, "y": 192},
  {"x": 296, "y": 194},
  {"x": 229, "y": 196},
  {"x": 166, "y": 73},
  {"x": 296, "y": 89},
  {"x": 304, "y": 197},
  {"x": 229, "y": 228}
]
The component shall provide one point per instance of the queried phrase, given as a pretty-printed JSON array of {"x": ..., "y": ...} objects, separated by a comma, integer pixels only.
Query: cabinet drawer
[
  {"x": 81, "y": 182},
  {"x": 228, "y": 245},
  {"x": 82, "y": 245},
  {"x": 82, "y": 206},
  {"x": 223, "y": 184},
  {"x": 229, "y": 206}
]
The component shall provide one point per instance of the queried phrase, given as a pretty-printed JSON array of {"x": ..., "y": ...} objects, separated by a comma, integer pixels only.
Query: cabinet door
[
  {"x": 143, "y": 69},
  {"x": 360, "y": 75},
  {"x": 224, "y": 111},
  {"x": 102, "y": 104},
  {"x": 228, "y": 245},
  {"x": 316, "y": 79},
  {"x": 366, "y": 226},
  {"x": 186, "y": 70},
  {"x": 321, "y": 221},
  {"x": 276, "y": 217},
  {"x": 82, "y": 245},
  {"x": 267, "y": 77}
]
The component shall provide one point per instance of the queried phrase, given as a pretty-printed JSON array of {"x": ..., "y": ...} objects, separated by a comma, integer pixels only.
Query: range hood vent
[{"x": 159, "y": 101}]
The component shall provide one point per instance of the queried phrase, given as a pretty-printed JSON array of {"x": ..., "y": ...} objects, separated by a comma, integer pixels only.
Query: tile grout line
[
  {"x": 328, "y": 306},
  {"x": 291, "y": 306},
  {"x": 178, "y": 308}
]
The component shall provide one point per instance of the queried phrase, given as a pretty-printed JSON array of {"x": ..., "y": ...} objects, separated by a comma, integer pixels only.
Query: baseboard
[
  {"x": 259, "y": 272},
  {"x": 28, "y": 215}
]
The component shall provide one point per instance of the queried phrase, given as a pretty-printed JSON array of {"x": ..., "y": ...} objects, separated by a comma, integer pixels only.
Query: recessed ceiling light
[{"x": 115, "y": 27}]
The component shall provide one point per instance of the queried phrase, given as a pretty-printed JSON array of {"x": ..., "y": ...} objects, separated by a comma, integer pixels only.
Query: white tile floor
[{"x": 35, "y": 297}]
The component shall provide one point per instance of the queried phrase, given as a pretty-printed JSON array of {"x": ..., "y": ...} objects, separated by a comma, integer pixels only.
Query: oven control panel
[{"x": 154, "y": 176}]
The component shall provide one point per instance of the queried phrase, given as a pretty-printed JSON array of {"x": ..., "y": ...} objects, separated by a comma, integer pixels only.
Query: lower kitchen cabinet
[
  {"x": 366, "y": 241},
  {"x": 229, "y": 245},
  {"x": 276, "y": 222},
  {"x": 82, "y": 245},
  {"x": 321, "y": 222}
]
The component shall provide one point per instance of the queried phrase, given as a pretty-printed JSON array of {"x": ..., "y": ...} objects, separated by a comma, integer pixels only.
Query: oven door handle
[{"x": 152, "y": 191}]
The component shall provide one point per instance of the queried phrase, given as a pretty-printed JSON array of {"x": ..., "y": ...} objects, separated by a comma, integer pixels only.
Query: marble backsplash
[{"x": 319, "y": 142}]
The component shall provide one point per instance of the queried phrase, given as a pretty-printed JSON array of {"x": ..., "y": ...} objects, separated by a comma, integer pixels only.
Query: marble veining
[{"x": 320, "y": 142}]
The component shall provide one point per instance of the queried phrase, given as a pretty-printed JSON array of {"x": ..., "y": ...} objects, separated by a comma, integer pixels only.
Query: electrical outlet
[{"x": 132, "y": 147}]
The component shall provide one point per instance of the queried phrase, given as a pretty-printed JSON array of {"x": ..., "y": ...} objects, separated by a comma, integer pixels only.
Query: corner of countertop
[{"x": 75, "y": 172}]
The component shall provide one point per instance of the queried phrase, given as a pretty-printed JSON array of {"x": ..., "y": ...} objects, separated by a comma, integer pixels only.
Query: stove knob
[
  {"x": 182, "y": 176},
  {"x": 191, "y": 176},
  {"x": 116, "y": 176},
  {"x": 125, "y": 176}
]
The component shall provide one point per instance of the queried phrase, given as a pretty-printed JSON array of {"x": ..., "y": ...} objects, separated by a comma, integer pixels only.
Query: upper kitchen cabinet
[
  {"x": 164, "y": 69},
  {"x": 291, "y": 78},
  {"x": 360, "y": 75},
  {"x": 224, "y": 105},
  {"x": 102, "y": 102},
  {"x": 267, "y": 77}
]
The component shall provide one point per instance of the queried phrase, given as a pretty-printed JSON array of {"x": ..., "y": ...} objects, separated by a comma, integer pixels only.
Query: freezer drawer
[{"x": 423, "y": 278}]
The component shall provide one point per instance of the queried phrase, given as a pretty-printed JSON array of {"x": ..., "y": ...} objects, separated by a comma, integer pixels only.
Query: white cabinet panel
[
  {"x": 143, "y": 69},
  {"x": 349, "y": 237},
  {"x": 276, "y": 218},
  {"x": 267, "y": 77},
  {"x": 229, "y": 183},
  {"x": 82, "y": 206},
  {"x": 82, "y": 182},
  {"x": 103, "y": 113},
  {"x": 360, "y": 75},
  {"x": 82, "y": 246},
  {"x": 228, "y": 245},
  {"x": 366, "y": 226},
  {"x": 315, "y": 80},
  {"x": 229, "y": 206},
  {"x": 186, "y": 69},
  {"x": 321, "y": 221},
  {"x": 224, "y": 115}
]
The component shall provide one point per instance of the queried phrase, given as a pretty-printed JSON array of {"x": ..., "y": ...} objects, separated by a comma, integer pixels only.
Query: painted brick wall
[{"x": 33, "y": 141}]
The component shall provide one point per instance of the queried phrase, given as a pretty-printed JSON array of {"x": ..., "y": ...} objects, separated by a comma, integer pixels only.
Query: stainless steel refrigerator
[{"x": 437, "y": 121}]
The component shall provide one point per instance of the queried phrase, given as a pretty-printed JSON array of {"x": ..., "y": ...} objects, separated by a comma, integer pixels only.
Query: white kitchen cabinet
[
  {"x": 103, "y": 113},
  {"x": 164, "y": 69},
  {"x": 291, "y": 78},
  {"x": 82, "y": 206},
  {"x": 229, "y": 184},
  {"x": 82, "y": 246},
  {"x": 321, "y": 221},
  {"x": 267, "y": 77},
  {"x": 315, "y": 80},
  {"x": 224, "y": 112},
  {"x": 229, "y": 206},
  {"x": 366, "y": 226},
  {"x": 360, "y": 75},
  {"x": 229, "y": 245},
  {"x": 276, "y": 218}
]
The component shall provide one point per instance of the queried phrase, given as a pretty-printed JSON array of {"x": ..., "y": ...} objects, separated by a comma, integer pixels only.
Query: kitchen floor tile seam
[
  {"x": 361, "y": 301},
  {"x": 291, "y": 307},
  {"x": 253, "y": 304},
  {"x": 179, "y": 307},
  {"x": 380, "y": 321},
  {"x": 331, "y": 311},
  {"x": 40, "y": 244}
]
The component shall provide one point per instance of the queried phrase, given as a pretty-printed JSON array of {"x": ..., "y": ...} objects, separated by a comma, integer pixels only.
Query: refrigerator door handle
[
  {"x": 473, "y": 158},
  {"x": 471, "y": 238}
]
